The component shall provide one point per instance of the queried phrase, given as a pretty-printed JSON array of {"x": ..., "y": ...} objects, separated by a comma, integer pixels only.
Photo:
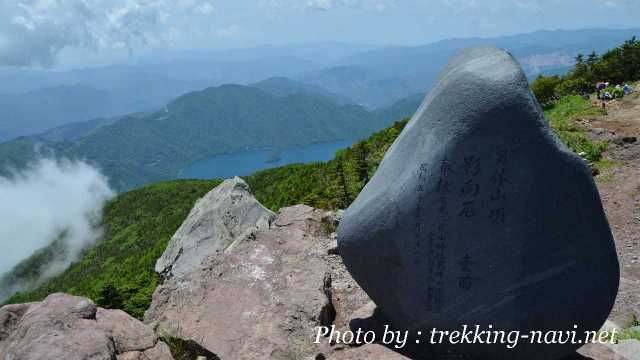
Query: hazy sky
[{"x": 52, "y": 32}]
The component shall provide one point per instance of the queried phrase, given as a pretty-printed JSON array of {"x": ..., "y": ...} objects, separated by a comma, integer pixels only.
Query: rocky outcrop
[
  {"x": 226, "y": 214},
  {"x": 69, "y": 327},
  {"x": 262, "y": 298},
  {"x": 478, "y": 215},
  {"x": 265, "y": 296}
]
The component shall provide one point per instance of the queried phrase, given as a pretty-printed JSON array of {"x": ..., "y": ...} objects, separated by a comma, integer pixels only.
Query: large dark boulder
[{"x": 478, "y": 215}]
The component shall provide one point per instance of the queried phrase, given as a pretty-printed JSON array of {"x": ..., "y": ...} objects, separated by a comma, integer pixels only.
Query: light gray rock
[
  {"x": 628, "y": 348},
  {"x": 479, "y": 215},
  {"x": 599, "y": 352},
  {"x": 226, "y": 214},
  {"x": 264, "y": 297},
  {"x": 623, "y": 350},
  {"x": 73, "y": 328}
]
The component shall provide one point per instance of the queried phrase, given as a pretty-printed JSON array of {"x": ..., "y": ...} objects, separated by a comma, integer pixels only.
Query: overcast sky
[{"x": 55, "y": 32}]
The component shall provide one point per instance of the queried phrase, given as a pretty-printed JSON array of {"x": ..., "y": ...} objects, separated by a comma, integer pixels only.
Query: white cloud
[
  {"x": 47, "y": 200},
  {"x": 33, "y": 32}
]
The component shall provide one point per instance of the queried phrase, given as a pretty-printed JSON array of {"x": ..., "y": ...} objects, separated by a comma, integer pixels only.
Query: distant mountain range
[
  {"x": 119, "y": 90},
  {"x": 379, "y": 77},
  {"x": 37, "y": 110},
  {"x": 138, "y": 149},
  {"x": 375, "y": 77}
]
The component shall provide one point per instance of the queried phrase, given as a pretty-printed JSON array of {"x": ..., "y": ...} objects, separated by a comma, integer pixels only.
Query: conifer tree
[
  {"x": 362, "y": 169},
  {"x": 110, "y": 297},
  {"x": 342, "y": 193}
]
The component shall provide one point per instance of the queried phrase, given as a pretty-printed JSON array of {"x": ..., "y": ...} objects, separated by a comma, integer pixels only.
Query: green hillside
[
  {"x": 137, "y": 150},
  {"x": 138, "y": 225},
  {"x": 283, "y": 87}
]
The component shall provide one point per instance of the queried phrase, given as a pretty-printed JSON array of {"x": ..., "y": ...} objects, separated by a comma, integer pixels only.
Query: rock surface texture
[
  {"x": 624, "y": 350},
  {"x": 263, "y": 297},
  {"x": 73, "y": 328},
  {"x": 226, "y": 214},
  {"x": 478, "y": 215}
]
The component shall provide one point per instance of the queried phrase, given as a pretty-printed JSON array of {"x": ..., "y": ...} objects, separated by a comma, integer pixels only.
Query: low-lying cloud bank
[{"x": 53, "y": 209}]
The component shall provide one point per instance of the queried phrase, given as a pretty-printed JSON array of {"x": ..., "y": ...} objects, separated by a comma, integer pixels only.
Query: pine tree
[
  {"x": 592, "y": 59},
  {"x": 362, "y": 169},
  {"x": 342, "y": 193},
  {"x": 581, "y": 69},
  {"x": 110, "y": 297}
]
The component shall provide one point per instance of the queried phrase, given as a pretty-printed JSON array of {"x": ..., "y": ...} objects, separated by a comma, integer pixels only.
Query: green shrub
[
  {"x": 575, "y": 86},
  {"x": 617, "y": 66},
  {"x": 544, "y": 88}
]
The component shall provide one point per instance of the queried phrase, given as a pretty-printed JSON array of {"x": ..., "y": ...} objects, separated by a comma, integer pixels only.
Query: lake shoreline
[{"x": 246, "y": 162}]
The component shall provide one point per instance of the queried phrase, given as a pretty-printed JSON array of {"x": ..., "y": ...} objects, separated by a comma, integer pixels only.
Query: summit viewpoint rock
[
  {"x": 478, "y": 215},
  {"x": 226, "y": 214},
  {"x": 264, "y": 296}
]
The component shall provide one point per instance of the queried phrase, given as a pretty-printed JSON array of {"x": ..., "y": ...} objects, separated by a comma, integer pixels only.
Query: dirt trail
[{"x": 619, "y": 187}]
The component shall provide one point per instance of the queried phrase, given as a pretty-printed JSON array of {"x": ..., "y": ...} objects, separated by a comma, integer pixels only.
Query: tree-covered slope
[
  {"x": 136, "y": 150},
  {"x": 617, "y": 66},
  {"x": 137, "y": 227},
  {"x": 282, "y": 86},
  {"x": 330, "y": 185}
]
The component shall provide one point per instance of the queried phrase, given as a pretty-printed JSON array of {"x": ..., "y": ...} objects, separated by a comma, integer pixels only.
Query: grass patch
[
  {"x": 562, "y": 116},
  {"x": 605, "y": 167},
  {"x": 628, "y": 334}
]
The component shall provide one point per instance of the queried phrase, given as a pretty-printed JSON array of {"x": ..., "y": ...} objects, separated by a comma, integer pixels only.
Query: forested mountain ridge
[{"x": 138, "y": 149}]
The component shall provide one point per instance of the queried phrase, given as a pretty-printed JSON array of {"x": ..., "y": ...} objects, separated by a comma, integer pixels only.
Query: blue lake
[{"x": 247, "y": 162}]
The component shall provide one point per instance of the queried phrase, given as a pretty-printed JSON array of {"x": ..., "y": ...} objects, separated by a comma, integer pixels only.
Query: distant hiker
[
  {"x": 604, "y": 107},
  {"x": 599, "y": 87}
]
